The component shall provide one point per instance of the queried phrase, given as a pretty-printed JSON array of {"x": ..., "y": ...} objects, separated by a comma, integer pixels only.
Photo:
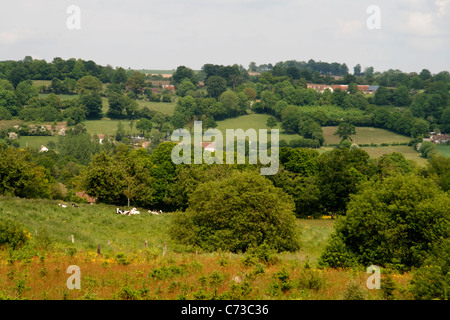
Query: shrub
[
  {"x": 264, "y": 253},
  {"x": 432, "y": 281},
  {"x": 311, "y": 280},
  {"x": 390, "y": 222},
  {"x": 354, "y": 291},
  {"x": 235, "y": 213},
  {"x": 12, "y": 233}
]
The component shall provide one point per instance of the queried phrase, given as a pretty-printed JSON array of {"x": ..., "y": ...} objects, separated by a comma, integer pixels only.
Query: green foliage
[
  {"x": 89, "y": 84},
  {"x": 12, "y": 233},
  {"x": 345, "y": 130},
  {"x": 354, "y": 291},
  {"x": 432, "y": 280},
  {"x": 251, "y": 212},
  {"x": 20, "y": 176},
  {"x": 216, "y": 85},
  {"x": 390, "y": 222}
]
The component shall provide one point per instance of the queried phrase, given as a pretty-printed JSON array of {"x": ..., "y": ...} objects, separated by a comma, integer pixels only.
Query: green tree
[
  {"x": 136, "y": 82},
  {"x": 420, "y": 128},
  {"x": 215, "y": 86},
  {"x": 182, "y": 73},
  {"x": 391, "y": 222},
  {"x": 185, "y": 87},
  {"x": 339, "y": 173},
  {"x": 25, "y": 91},
  {"x": 121, "y": 107},
  {"x": 103, "y": 179},
  {"x": 345, "y": 130},
  {"x": 93, "y": 105},
  {"x": 78, "y": 145},
  {"x": 271, "y": 122},
  {"x": 431, "y": 281},
  {"x": 252, "y": 212},
  {"x": 89, "y": 84},
  {"x": 20, "y": 176},
  {"x": 291, "y": 119},
  {"x": 401, "y": 97},
  {"x": 144, "y": 125}
]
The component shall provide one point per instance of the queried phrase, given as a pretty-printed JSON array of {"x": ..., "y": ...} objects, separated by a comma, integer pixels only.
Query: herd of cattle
[{"x": 118, "y": 211}]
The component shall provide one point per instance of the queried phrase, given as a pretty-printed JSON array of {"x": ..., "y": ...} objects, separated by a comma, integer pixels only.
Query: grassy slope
[
  {"x": 407, "y": 151},
  {"x": 96, "y": 224},
  {"x": 444, "y": 150},
  {"x": 90, "y": 224},
  {"x": 252, "y": 121},
  {"x": 140, "y": 273},
  {"x": 366, "y": 135}
]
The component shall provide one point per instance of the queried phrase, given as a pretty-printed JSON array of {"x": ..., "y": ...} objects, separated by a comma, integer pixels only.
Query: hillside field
[
  {"x": 127, "y": 270},
  {"x": 253, "y": 121},
  {"x": 365, "y": 135},
  {"x": 444, "y": 150}
]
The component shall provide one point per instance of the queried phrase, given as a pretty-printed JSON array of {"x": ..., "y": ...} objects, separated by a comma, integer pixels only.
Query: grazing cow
[
  {"x": 154, "y": 212},
  {"x": 118, "y": 211},
  {"x": 134, "y": 211},
  {"x": 74, "y": 205}
]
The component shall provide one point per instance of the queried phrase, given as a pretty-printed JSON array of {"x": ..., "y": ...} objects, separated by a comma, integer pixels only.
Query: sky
[{"x": 409, "y": 35}]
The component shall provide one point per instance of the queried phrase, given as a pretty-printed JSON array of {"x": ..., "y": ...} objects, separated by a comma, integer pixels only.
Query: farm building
[
  {"x": 439, "y": 138},
  {"x": 322, "y": 87},
  {"x": 209, "y": 146}
]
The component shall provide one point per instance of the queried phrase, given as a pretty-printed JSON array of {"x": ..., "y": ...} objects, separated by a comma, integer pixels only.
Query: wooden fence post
[
  {"x": 99, "y": 250},
  {"x": 164, "y": 249},
  {"x": 73, "y": 239}
]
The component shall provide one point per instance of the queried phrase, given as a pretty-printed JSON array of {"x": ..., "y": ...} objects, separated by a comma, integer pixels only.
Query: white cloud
[
  {"x": 422, "y": 24},
  {"x": 442, "y": 7},
  {"x": 15, "y": 36}
]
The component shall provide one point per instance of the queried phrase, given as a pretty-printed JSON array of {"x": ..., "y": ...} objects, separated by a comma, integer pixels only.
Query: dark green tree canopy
[{"x": 241, "y": 211}]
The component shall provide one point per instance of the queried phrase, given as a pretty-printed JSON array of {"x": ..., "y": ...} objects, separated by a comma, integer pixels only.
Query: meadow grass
[
  {"x": 6, "y": 124},
  {"x": 163, "y": 107},
  {"x": 149, "y": 276},
  {"x": 126, "y": 270},
  {"x": 253, "y": 121},
  {"x": 40, "y": 83},
  {"x": 91, "y": 225},
  {"x": 444, "y": 150},
  {"x": 36, "y": 141},
  {"x": 107, "y": 126},
  {"x": 408, "y": 152},
  {"x": 61, "y": 96},
  {"x": 366, "y": 135}
]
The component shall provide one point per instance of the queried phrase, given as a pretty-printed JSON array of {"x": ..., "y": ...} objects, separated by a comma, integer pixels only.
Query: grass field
[
  {"x": 407, "y": 151},
  {"x": 40, "y": 83},
  {"x": 444, "y": 150},
  {"x": 127, "y": 270},
  {"x": 61, "y": 96},
  {"x": 36, "y": 142},
  {"x": 366, "y": 135},
  {"x": 252, "y": 121},
  {"x": 107, "y": 126},
  {"x": 163, "y": 107}
]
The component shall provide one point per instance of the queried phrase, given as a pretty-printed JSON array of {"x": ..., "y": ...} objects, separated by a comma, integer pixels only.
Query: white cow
[{"x": 134, "y": 211}]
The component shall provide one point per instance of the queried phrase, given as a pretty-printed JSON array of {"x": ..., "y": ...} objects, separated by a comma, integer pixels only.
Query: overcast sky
[{"x": 164, "y": 34}]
